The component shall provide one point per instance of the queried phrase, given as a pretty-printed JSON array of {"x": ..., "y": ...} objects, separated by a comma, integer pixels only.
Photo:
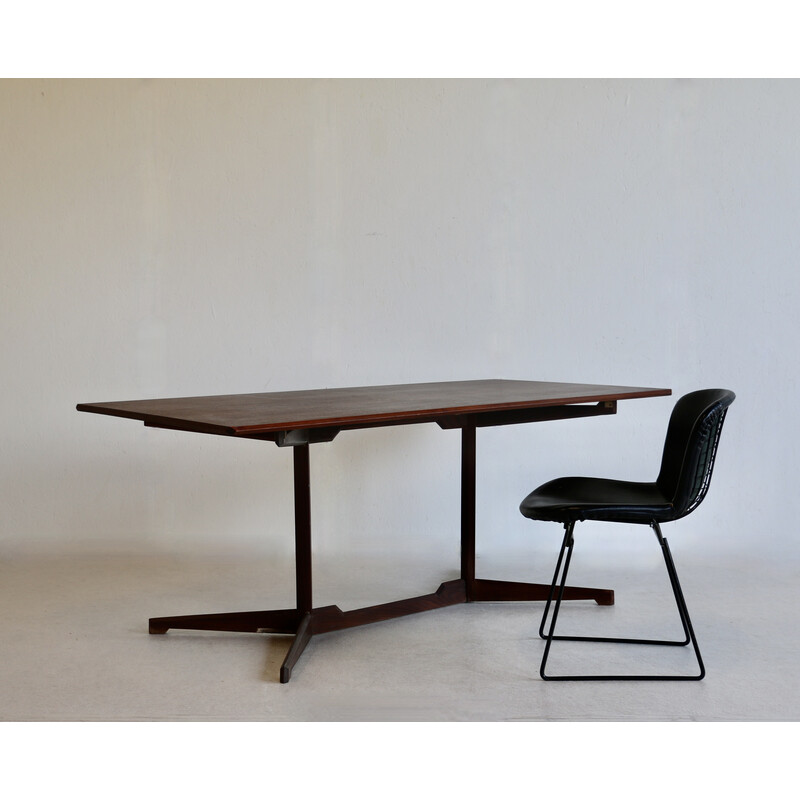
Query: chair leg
[
  {"x": 566, "y": 545},
  {"x": 550, "y": 637}
]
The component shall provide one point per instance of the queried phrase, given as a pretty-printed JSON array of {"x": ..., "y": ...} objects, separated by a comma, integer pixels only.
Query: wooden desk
[{"x": 299, "y": 419}]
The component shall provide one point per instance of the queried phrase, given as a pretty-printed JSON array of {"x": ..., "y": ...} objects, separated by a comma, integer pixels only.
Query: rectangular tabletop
[{"x": 365, "y": 406}]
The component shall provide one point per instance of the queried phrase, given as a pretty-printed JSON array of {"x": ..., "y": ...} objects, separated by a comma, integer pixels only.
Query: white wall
[{"x": 163, "y": 238}]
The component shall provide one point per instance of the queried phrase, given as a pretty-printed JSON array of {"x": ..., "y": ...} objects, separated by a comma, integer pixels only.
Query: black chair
[{"x": 686, "y": 465}]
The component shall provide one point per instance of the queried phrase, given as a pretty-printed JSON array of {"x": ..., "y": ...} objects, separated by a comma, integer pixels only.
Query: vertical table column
[
  {"x": 468, "y": 507},
  {"x": 302, "y": 555}
]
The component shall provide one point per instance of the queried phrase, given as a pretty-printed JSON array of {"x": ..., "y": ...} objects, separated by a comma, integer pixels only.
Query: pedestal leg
[
  {"x": 302, "y": 556},
  {"x": 302, "y": 527},
  {"x": 468, "y": 507}
]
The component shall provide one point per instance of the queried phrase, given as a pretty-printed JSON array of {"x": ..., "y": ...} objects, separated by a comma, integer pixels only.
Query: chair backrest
[{"x": 691, "y": 446}]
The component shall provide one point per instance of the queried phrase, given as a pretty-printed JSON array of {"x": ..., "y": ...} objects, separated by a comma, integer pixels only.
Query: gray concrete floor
[{"x": 76, "y": 646}]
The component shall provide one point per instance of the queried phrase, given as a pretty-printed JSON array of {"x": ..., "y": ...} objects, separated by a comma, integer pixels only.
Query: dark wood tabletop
[{"x": 364, "y": 406}]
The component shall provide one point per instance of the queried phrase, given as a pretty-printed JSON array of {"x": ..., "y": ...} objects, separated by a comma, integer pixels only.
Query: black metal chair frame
[
  {"x": 550, "y": 637},
  {"x": 687, "y": 464}
]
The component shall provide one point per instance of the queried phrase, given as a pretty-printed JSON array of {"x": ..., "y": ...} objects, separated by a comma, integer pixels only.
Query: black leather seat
[
  {"x": 686, "y": 466},
  {"x": 567, "y": 499}
]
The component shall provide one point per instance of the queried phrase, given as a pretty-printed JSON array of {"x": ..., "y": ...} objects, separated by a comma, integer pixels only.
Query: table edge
[{"x": 367, "y": 420}]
